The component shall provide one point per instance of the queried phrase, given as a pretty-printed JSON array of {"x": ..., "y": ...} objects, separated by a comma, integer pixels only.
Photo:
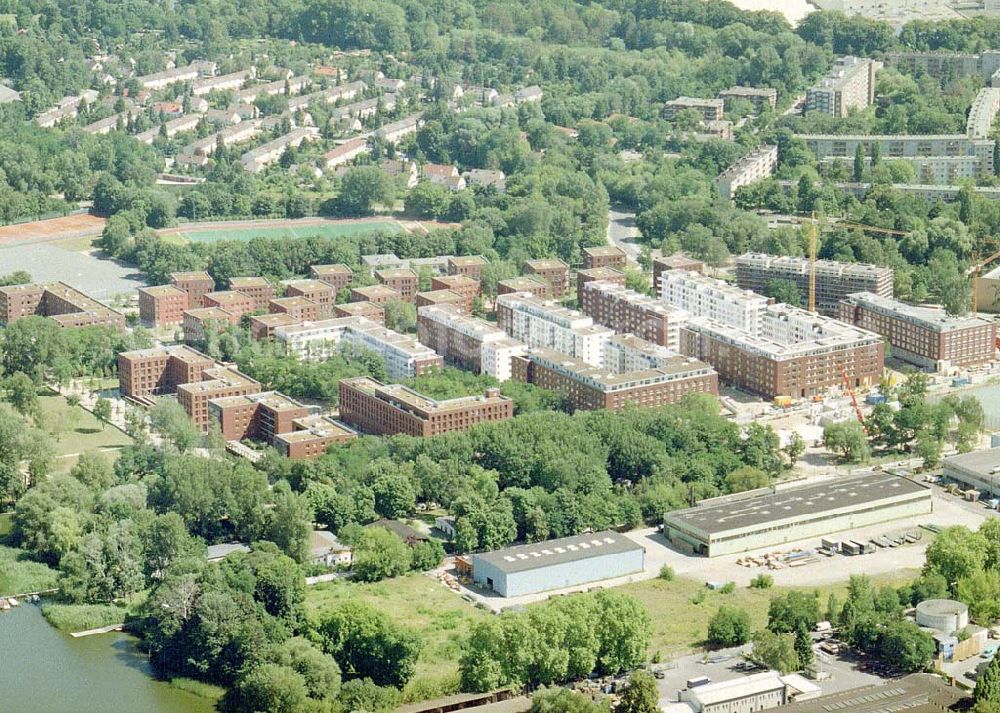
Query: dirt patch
[{"x": 52, "y": 229}]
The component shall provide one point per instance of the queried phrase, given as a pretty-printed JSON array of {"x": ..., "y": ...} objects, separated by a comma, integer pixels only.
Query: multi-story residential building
[
  {"x": 589, "y": 387},
  {"x": 257, "y": 289},
  {"x": 468, "y": 287},
  {"x": 262, "y": 326},
  {"x": 382, "y": 261},
  {"x": 759, "y": 163},
  {"x": 389, "y": 409},
  {"x": 925, "y": 336},
  {"x": 311, "y": 437},
  {"x": 298, "y": 308},
  {"x": 532, "y": 285},
  {"x": 539, "y": 323},
  {"x": 290, "y": 86},
  {"x": 396, "y": 130},
  {"x": 346, "y": 152},
  {"x": 677, "y": 261},
  {"x": 403, "y": 280},
  {"x": 627, "y": 352},
  {"x": 597, "y": 274},
  {"x": 983, "y": 113},
  {"x": 161, "y": 80},
  {"x": 154, "y": 372},
  {"x": 216, "y": 383},
  {"x": 849, "y": 85},
  {"x": 162, "y": 305},
  {"x": 468, "y": 342},
  {"x": 199, "y": 323},
  {"x": 468, "y": 265},
  {"x": 404, "y": 356},
  {"x": 552, "y": 270},
  {"x": 235, "y": 303},
  {"x": 316, "y": 291},
  {"x": 378, "y": 294},
  {"x": 759, "y": 97},
  {"x": 791, "y": 353},
  {"x": 256, "y": 160},
  {"x": 626, "y": 311},
  {"x": 946, "y": 65},
  {"x": 195, "y": 284},
  {"x": 834, "y": 280},
  {"x": 936, "y": 158},
  {"x": 440, "y": 297},
  {"x": 366, "y": 309},
  {"x": 221, "y": 83},
  {"x": 259, "y": 416},
  {"x": 702, "y": 296},
  {"x": 603, "y": 256},
  {"x": 336, "y": 276},
  {"x": 710, "y": 109},
  {"x": 64, "y": 305}
]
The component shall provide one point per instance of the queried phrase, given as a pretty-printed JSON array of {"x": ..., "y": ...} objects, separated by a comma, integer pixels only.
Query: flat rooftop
[
  {"x": 404, "y": 396},
  {"x": 605, "y": 251},
  {"x": 979, "y": 462},
  {"x": 277, "y": 319},
  {"x": 307, "y": 285},
  {"x": 376, "y": 291},
  {"x": 522, "y": 558},
  {"x": 180, "y": 351},
  {"x": 546, "y": 264},
  {"x": 456, "y": 280},
  {"x": 189, "y": 276},
  {"x": 608, "y": 381},
  {"x": 815, "y": 499},
  {"x": 933, "y": 318},
  {"x": 466, "y": 260},
  {"x": 315, "y": 427},
  {"x": 395, "y": 273},
  {"x": 917, "y": 693},
  {"x": 337, "y": 269},
  {"x": 524, "y": 282},
  {"x": 238, "y": 282},
  {"x": 162, "y": 291}
]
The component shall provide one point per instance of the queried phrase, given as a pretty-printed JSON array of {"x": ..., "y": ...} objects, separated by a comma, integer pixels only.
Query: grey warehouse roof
[
  {"x": 522, "y": 558},
  {"x": 979, "y": 462},
  {"x": 733, "y": 514}
]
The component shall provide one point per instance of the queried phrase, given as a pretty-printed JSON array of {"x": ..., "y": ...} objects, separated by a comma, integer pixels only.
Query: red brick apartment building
[
  {"x": 468, "y": 265},
  {"x": 257, "y": 288},
  {"x": 195, "y": 284},
  {"x": 677, "y": 261},
  {"x": 590, "y": 388},
  {"x": 234, "y": 302},
  {"x": 604, "y": 274},
  {"x": 153, "y": 372},
  {"x": 402, "y": 279},
  {"x": 315, "y": 291},
  {"x": 298, "y": 308},
  {"x": 369, "y": 310},
  {"x": 262, "y": 326},
  {"x": 337, "y": 276},
  {"x": 311, "y": 436},
  {"x": 626, "y": 311},
  {"x": 377, "y": 294},
  {"x": 438, "y": 297},
  {"x": 256, "y": 416},
  {"x": 552, "y": 270},
  {"x": 468, "y": 287},
  {"x": 603, "y": 256},
  {"x": 532, "y": 285},
  {"x": 65, "y": 305},
  {"x": 217, "y": 382},
  {"x": 388, "y": 409},
  {"x": 925, "y": 336},
  {"x": 162, "y": 306},
  {"x": 199, "y": 323}
]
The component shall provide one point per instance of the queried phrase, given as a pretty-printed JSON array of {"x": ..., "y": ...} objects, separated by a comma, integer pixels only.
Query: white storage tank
[{"x": 945, "y": 615}]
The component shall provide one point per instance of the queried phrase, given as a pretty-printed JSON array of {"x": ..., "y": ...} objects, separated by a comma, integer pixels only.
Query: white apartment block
[
  {"x": 626, "y": 352},
  {"x": 759, "y": 163},
  {"x": 160, "y": 80},
  {"x": 469, "y": 341},
  {"x": 223, "y": 82},
  {"x": 346, "y": 152},
  {"x": 849, "y": 85},
  {"x": 497, "y": 355},
  {"x": 256, "y": 160},
  {"x": 318, "y": 341},
  {"x": 294, "y": 85},
  {"x": 705, "y": 297},
  {"x": 542, "y": 323},
  {"x": 399, "y": 129}
]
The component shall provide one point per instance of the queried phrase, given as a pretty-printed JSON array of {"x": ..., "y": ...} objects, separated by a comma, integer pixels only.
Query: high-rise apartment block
[
  {"x": 468, "y": 342},
  {"x": 597, "y": 274},
  {"x": 603, "y": 256},
  {"x": 64, "y": 305},
  {"x": 195, "y": 284},
  {"x": 539, "y": 323},
  {"x": 756, "y": 165},
  {"x": 627, "y": 311},
  {"x": 552, "y": 270},
  {"x": 849, "y": 85},
  {"x": 337, "y": 276},
  {"x": 257, "y": 288},
  {"x": 161, "y": 305}
]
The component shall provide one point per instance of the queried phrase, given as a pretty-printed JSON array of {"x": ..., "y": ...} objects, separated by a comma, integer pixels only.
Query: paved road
[{"x": 622, "y": 233}]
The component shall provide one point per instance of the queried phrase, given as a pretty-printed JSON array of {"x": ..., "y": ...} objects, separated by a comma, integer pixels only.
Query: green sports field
[{"x": 330, "y": 230}]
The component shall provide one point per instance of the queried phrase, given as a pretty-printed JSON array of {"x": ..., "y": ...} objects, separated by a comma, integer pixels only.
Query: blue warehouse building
[{"x": 555, "y": 564}]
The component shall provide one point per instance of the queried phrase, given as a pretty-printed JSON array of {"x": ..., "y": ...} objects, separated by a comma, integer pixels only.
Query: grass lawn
[
  {"x": 198, "y": 688},
  {"x": 78, "y": 244},
  {"x": 81, "y": 617},
  {"x": 441, "y": 616},
  {"x": 75, "y": 430},
  {"x": 6, "y": 524},
  {"x": 680, "y": 625},
  {"x": 332, "y": 230},
  {"x": 19, "y": 575}
]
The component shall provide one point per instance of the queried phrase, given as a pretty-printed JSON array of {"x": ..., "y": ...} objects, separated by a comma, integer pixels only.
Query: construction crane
[
  {"x": 854, "y": 401},
  {"x": 974, "y": 271}
]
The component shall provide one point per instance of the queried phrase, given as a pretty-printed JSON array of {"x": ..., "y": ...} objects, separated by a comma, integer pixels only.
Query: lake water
[
  {"x": 45, "y": 671},
  {"x": 793, "y": 10}
]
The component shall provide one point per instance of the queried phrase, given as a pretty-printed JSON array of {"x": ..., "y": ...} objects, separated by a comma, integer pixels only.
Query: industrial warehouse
[
  {"x": 735, "y": 524},
  {"x": 554, "y": 564}
]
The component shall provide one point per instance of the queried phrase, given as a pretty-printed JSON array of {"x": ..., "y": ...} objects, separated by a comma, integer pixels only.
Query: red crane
[{"x": 854, "y": 401}]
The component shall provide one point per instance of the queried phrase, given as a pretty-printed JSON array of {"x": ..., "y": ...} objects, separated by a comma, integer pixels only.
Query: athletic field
[{"x": 324, "y": 229}]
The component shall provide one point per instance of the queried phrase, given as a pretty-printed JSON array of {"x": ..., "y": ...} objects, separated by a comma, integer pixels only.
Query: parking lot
[{"x": 47, "y": 262}]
